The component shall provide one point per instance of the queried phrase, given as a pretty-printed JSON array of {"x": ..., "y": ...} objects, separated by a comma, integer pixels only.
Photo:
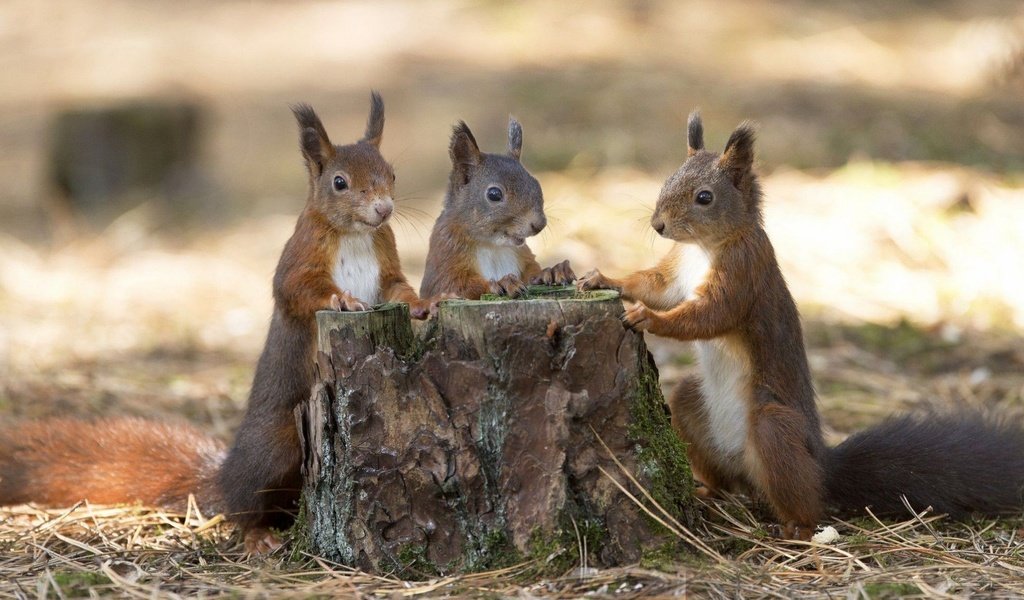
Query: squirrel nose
[
  {"x": 383, "y": 210},
  {"x": 538, "y": 226},
  {"x": 659, "y": 227}
]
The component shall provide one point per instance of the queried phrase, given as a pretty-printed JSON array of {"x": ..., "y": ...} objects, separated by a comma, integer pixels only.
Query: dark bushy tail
[
  {"x": 957, "y": 463},
  {"x": 112, "y": 461}
]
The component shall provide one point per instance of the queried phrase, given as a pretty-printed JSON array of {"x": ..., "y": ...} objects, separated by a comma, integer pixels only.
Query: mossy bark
[{"x": 472, "y": 442}]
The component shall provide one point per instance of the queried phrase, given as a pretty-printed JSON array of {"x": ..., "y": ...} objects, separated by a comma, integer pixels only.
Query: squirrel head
[
  {"x": 499, "y": 202},
  {"x": 711, "y": 197},
  {"x": 351, "y": 185}
]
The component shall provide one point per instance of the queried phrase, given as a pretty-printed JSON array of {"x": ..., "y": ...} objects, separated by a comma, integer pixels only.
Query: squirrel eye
[
  {"x": 704, "y": 197},
  {"x": 340, "y": 183},
  {"x": 494, "y": 194}
]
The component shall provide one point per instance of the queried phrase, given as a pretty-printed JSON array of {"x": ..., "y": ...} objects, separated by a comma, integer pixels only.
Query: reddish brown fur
[
  {"x": 744, "y": 317},
  {"x": 260, "y": 476},
  {"x": 63, "y": 461},
  {"x": 257, "y": 484},
  {"x": 743, "y": 300},
  {"x": 451, "y": 262}
]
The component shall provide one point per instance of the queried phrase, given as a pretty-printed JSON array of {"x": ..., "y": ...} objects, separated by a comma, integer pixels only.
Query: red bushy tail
[{"x": 112, "y": 461}]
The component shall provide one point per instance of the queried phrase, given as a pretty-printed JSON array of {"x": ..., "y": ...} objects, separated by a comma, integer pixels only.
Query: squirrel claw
[
  {"x": 509, "y": 285},
  {"x": 346, "y": 303},
  {"x": 593, "y": 280},
  {"x": 791, "y": 531},
  {"x": 560, "y": 274},
  {"x": 638, "y": 317},
  {"x": 424, "y": 308}
]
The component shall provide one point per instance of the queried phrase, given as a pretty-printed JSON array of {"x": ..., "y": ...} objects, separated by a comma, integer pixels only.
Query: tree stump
[{"x": 486, "y": 437}]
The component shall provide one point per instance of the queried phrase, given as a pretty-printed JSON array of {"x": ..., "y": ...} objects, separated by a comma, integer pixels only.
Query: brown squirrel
[
  {"x": 749, "y": 418},
  {"x": 478, "y": 244},
  {"x": 342, "y": 255}
]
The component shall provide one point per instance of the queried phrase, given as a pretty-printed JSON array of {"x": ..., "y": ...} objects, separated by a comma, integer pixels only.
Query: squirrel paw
[
  {"x": 639, "y": 317},
  {"x": 593, "y": 280},
  {"x": 346, "y": 303},
  {"x": 560, "y": 274},
  {"x": 791, "y": 531},
  {"x": 259, "y": 540},
  {"x": 424, "y": 308},
  {"x": 510, "y": 285}
]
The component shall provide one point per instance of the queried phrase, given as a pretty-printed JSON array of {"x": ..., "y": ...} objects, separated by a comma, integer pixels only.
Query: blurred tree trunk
[{"x": 473, "y": 443}]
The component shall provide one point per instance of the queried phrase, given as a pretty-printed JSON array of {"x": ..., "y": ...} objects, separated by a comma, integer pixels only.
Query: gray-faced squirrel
[{"x": 478, "y": 243}]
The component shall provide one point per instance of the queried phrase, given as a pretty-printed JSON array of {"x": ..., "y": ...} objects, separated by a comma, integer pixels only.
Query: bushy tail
[
  {"x": 112, "y": 461},
  {"x": 957, "y": 463}
]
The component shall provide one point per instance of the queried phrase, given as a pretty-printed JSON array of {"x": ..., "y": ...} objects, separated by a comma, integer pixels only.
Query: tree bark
[{"x": 476, "y": 441}]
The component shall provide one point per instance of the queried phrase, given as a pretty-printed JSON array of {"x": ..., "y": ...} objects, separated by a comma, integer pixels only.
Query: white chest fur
[
  {"x": 725, "y": 385},
  {"x": 691, "y": 269},
  {"x": 495, "y": 262},
  {"x": 724, "y": 362},
  {"x": 356, "y": 268}
]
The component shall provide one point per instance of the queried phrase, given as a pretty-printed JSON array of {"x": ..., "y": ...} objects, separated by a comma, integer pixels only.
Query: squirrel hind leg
[{"x": 784, "y": 469}]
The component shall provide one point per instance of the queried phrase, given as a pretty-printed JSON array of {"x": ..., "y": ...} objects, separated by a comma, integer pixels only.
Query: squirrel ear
[
  {"x": 738, "y": 156},
  {"x": 313, "y": 141},
  {"x": 515, "y": 138},
  {"x": 694, "y": 133},
  {"x": 375, "y": 124},
  {"x": 463, "y": 150}
]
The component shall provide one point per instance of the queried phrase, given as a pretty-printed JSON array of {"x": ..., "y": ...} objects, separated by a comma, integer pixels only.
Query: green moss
[
  {"x": 663, "y": 557},
  {"x": 414, "y": 564},
  {"x": 551, "y": 292},
  {"x": 79, "y": 582},
  {"x": 298, "y": 534},
  {"x": 496, "y": 552},
  {"x": 661, "y": 454}
]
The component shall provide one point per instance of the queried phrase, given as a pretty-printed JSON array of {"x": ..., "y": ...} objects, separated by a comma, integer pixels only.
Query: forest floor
[{"x": 911, "y": 306}]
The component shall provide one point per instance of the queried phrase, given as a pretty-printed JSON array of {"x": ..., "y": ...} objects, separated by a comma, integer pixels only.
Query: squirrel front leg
[
  {"x": 695, "y": 319},
  {"x": 720, "y": 305},
  {"x": 399, "y": 290},
  {"x": 646, "y": 286},
  {"x": 310, "y": 291}
]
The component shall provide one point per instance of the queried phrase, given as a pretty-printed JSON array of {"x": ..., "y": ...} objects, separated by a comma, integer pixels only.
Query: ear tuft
[
  {"x": 375, "y": 123},
  {"x": 515, "y": 138},
  {"x": 694, "y": 133},
  {"x": 314, "y": 143},
  {"x": 738, "y": 156},
  {"x": 463, "y": 149}
]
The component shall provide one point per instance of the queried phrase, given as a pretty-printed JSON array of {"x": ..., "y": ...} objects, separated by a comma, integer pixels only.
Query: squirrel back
[{"x": 493, "y": 204}]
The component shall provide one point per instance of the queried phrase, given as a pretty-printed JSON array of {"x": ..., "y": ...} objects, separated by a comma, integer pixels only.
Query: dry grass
[{"x": 87, "y": 551}]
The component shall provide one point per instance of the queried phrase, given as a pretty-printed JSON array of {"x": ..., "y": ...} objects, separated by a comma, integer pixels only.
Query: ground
[
  {"x": 131, "y": 323},
  {"x": 892, "y": 146}
]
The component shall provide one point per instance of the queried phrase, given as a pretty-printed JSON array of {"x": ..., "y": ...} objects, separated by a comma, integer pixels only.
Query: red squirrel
[
  {"x": 749, "y": 418},
  {"x": 342, "y": 255},
  {"x": 478, "y": 243}
]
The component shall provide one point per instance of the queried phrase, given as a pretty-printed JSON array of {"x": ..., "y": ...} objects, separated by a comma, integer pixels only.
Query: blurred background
[{"x": 151, "y": 173}]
